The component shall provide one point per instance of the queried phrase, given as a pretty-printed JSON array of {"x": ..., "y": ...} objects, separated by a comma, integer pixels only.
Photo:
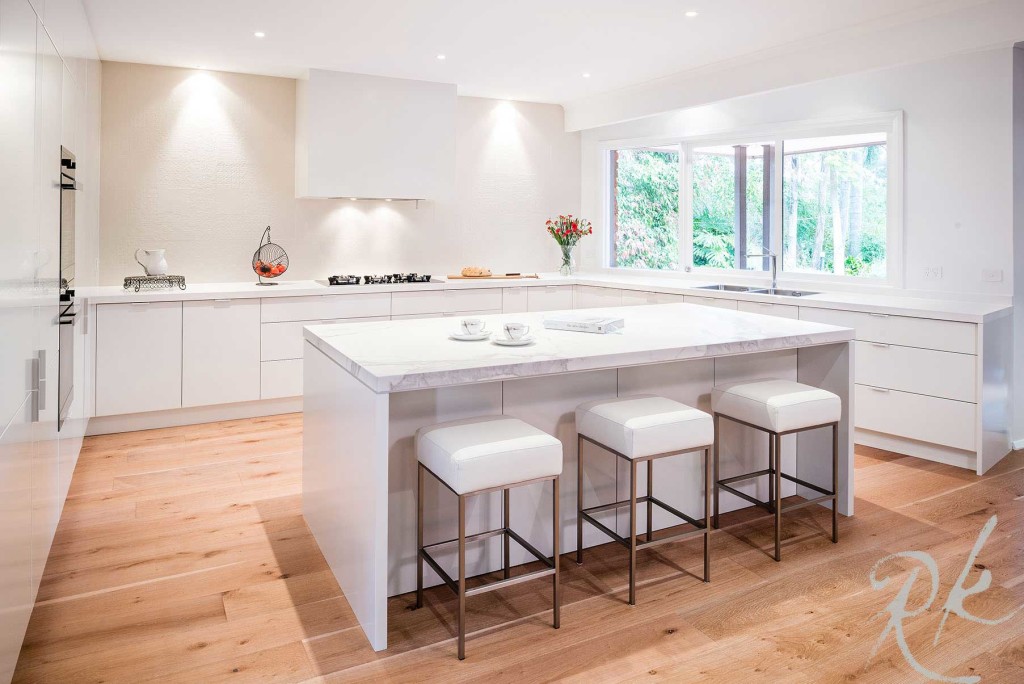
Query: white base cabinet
[
  {"x": 138, "y": 357},
  {"x": 220, "y": 355}
]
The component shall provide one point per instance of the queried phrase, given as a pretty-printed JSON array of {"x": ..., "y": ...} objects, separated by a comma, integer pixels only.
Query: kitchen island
[{"x": 369, "y": 386}]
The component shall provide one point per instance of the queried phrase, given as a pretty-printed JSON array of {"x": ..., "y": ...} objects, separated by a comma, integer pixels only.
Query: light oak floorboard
[{"x": 182, "y": 556}]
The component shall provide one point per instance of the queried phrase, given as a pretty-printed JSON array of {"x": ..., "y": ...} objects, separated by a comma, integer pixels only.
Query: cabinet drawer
[
  {"x": 922, "y": 371},
  {"x": 412, "y": 317},
  {"x": 720, "y": 302},
  {"x": 638, "y": 298},
  {"x": 549, "y": 298},
  {"x": 669, "y": 298},
  {"x": 464, "y": 314},
  {"x": 588, "y": 297},
  {"x": 220, "y": 352},
  {"x": 483, "y": 299},
  {"x": 284, "y": 340},
  {"x": 514, "y": 300},
  {"x": 324, "y": 307},
  {"x": 907, "y": 331},
  {"x": 408, "y": 303},
  {"x": 770, "y": 309},
  {"x": 914, "y": 416},
  {"x": 138, "y": 357},
  {"x": 280, "y": 379}
]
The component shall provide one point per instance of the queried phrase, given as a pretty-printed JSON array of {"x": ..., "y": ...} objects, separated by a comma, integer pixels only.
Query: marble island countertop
[{"x": 394, "y": 356}]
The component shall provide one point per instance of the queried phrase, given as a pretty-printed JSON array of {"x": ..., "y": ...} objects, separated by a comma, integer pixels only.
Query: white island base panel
[{"x": 359, "y": 462}]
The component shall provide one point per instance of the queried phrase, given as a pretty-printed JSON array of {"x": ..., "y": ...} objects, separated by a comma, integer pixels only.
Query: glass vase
[{"x": 568, "y": 260}]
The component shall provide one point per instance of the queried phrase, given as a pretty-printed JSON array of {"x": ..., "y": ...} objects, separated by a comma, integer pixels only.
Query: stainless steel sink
[
  {"x": 728, "y": 288},
  {"x": 781, "y": 293}
]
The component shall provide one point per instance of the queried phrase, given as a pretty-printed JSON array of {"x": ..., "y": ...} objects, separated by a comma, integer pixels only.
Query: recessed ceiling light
[
  {"x": 441, "y": 58},
  {"x": 387, "y": 199},
  {"x": 260, "y": 34},
  {"x": 586, "y": 74},
  {"x": 353, "y": 198},
  {"x": 691, "y": 14}
]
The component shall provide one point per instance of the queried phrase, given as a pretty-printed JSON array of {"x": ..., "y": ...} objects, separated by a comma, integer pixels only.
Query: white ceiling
[{"x": 520, "y": 49}]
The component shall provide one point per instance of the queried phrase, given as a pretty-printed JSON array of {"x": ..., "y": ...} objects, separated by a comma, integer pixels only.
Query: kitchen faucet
[{"x": 768, "y": 254}]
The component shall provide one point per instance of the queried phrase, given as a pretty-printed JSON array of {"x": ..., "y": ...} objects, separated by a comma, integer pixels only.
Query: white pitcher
[{"x": 153, "y": 261}]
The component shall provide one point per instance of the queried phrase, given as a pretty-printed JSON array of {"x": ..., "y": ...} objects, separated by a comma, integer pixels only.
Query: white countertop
[
  {"x": 393, "y": 356},
  {"x": 945, "y": 309}
]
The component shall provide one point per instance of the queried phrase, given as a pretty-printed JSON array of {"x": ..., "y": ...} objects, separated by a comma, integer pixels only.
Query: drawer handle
[
  {"x": 879, "y": 315},
  {"x": 880, "y": 389},
  {"x": 139, "y": 303},
  {"x": 768, "y": 304},
  {"x": 879, "y": 345},
  {"x": 221, "y": 301}
]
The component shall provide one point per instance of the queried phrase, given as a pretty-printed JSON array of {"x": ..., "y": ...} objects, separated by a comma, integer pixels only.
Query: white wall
[
  {"x": 958, "y": 197},
  {"x": 1018, "y": 245},
  {"x": 200, "y": 162}
]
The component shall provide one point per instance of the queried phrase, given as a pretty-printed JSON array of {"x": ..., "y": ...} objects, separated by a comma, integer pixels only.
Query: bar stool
[
  {"x": 478, "y": 456},
  {"x": 638, "y": 429},
  {"x": 778, "y": 407}
]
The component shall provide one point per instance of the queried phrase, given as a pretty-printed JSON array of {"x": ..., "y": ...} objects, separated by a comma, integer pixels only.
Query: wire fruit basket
[{"x": 269, "y": 260}]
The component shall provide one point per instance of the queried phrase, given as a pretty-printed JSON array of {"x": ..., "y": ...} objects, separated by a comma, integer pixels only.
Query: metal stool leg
[
  {"x": 462, "y": 577},
  {"x": 835, "y": 483},
  {"x": 506, "y": 522},
  {"x": 716, "y": 477},
  {"x": 632, "y": 533},
  {"x": 579, "y": 500},
  {"x": 778, "y": 495},
  {"x": 771, "y": 469},
  {"x": 707, "y": 515},
  {"x": 556, "y": 533},
  {"x": 419, "y": 536},
  {"x": 650, "y": 505}
]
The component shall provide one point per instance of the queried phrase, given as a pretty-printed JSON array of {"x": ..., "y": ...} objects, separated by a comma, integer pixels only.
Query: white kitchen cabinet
[
  {"x": 220, "y": 351},
  {"x": 283, "y": 340},
  {"x": 515, "y": 300},
  {"x": 325, "y": 307},
  {"x": 549, "y": 298},
  {"x": 720, "y": 302},
  {"x": 588, "y": 297},
  {"x": 281, "y": 378},
  {"x": 916, "y": 416},
  {"x": 638, "y": 298},
  {"x": 923, "y": 371},
  {"x": 465, "y": 314},
  {"x": 138, "y": 357},
  {"x": 419, "y": 302},
  {"x": 908, "y": 331},
  {"x": 769, "y": 309},
  {"x": 471, "y": 300},
  {"x": 410, "y": 317},
  {"x": 669, "y": 298}
]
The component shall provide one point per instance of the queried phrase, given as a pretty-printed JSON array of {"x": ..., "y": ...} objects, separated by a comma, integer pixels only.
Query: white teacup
[
  {"x": 516, "y": 331},
  {"x": 472, "y": 326}
]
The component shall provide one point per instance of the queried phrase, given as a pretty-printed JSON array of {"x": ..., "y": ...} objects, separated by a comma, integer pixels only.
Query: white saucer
[
  {"x": 521, "y": 342},
  {"x": 470, "y": 337}
]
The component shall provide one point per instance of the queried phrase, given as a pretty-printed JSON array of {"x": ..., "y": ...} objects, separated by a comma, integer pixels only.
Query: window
[
  {"x": 645, "y": 207},
  {"x": 834, "y": 192},
  {"x": 729, "y": 207},
  {"x": 824, "y": 197}
]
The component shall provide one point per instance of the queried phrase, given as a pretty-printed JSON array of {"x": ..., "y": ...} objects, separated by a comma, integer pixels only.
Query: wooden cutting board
[{"x": 507, "y": 276}]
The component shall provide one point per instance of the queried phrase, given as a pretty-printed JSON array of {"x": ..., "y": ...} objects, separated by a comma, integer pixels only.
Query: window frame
[{"x": 889, "y": 122}]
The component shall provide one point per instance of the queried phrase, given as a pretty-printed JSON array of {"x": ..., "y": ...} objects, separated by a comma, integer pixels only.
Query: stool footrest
[
  {"x": 498, "y": 584},
  {"x": 735, "y": 492},
  {"x": 808, "y": 502},
  {"x": 747, "y": 476},
  {"x": 804, "y": 483},
  {"x": 699, "y": 524}
]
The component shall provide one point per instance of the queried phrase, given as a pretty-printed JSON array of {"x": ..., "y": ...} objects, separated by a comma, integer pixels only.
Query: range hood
[{"x": 370, "y": 137}]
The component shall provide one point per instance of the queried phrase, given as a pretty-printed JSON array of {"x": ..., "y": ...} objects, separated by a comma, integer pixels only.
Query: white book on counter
[{"x": 585, "y": 323}]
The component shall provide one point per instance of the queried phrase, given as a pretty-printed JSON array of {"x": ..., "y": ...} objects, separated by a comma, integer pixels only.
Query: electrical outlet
[
  {"x": 992, "y": 275},
  {"x": 933, "y": 273}
]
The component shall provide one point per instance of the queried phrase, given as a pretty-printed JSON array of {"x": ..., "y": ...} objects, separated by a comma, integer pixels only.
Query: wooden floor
[{"x": 182, "y": 556}]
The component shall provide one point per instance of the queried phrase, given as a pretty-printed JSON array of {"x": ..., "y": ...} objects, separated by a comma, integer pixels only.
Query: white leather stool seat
[
  {"x": 490, "y": 451},
  {"x": 777, "y": 405},
  {"x": 644, "y": 425}
]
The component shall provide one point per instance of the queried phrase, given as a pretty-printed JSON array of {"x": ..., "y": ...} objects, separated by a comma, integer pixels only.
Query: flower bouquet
[{"x": 567, "y": 231}]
